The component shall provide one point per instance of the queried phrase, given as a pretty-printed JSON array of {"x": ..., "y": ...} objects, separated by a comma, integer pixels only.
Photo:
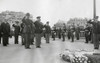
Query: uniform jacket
[
  {"x": 96, "y": 27},
  {"x": 47, "y": 29},
  {"x": 39, "y": 27},
  {"x": 17, "y": 29},
  {"x": 28, "y": 27}
]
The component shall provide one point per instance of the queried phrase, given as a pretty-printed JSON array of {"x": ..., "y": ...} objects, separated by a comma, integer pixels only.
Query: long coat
[{"x": 5, "y": 29}]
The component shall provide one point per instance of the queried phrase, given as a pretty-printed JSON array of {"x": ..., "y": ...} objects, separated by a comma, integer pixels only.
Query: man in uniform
[
  {"x": 72, "y": 32},
  {"x": 53, "y": 33},
  {"x": 5, "y": 30},
  {"x": 38, "y": 32},
  {"x": 47, "y": 32},
  {"x": 22, "y": 34},
  {"x": 87, "y": 33},
  {"x": 0, "y": 33},
  {"x": 16, "y": 31},
  {"x": 69, "y": 33},
  {"x": 64, "y": 32},
  {"x": 27, "y": 30},
  {"x": 77, "y": 32},
  {"x": 59, "y": 33},
  {"x": 96, "y": 32}
]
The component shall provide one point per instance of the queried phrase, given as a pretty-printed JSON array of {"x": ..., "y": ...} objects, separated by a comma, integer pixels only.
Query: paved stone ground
[{"x": 48, "y": 53}]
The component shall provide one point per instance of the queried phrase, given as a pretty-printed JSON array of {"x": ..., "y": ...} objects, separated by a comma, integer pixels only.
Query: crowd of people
[{"x": 30, "y": 30}]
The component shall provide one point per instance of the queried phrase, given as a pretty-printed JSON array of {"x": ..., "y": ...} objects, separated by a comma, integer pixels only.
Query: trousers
[{"x": 38, "y": 39}]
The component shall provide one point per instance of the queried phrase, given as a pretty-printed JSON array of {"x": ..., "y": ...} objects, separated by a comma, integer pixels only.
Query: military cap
[
  {"x": 38, "y": 17},
  {"x": 27, "y": 14},
  {"x": 96, "y": 17},
  {"x": 17, "y": 21}
]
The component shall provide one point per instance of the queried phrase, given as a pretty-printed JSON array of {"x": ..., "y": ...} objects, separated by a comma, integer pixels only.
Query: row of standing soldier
[
  {"x": 71, "y": 32},
  {"x": 92, "y": 33},
  {"x": 30, "y": 28}
]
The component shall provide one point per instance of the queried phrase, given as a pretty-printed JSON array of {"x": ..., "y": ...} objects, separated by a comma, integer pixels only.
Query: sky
[{"x": 52, "y": 10}]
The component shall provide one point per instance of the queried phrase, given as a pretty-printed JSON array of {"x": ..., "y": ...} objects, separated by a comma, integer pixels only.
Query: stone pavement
[{"x": 48, "y": 53}]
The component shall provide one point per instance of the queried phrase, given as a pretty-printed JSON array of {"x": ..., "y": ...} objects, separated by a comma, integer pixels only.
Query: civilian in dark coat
[
  {"x": 16, "y": 31},
  {"x": 38, "y": 31},
  {"x": 47, "y": 32},
  {"x": 5, "y": 27}
]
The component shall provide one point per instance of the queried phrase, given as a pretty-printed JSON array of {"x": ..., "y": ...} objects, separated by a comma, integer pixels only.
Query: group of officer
[{"x": 29, "y": 29}]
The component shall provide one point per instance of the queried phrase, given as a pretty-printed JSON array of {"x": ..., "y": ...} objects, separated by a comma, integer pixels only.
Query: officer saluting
[
  {"x": 27, "y": 30},
  {"x": 96, "y": 32},
  {"x": 16, "y": 31}
]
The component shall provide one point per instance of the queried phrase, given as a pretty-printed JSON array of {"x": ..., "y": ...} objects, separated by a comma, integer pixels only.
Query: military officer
[
  {"x": 38, "y": 32},
  {"x": 59, "y": 33},
  {"x": 87, "y": 33},
  {"x": 16, "y": 31},
  {"x": 27, "y": 30},
  {"x": 47, "y": 32},
  {"x": 63, "y": 35},
  {"x": 72, "y": 32},
  {"x": 69, "y": 33},
  {"x": 0, "y": 33},
  {"x": 77, "y": 32}
]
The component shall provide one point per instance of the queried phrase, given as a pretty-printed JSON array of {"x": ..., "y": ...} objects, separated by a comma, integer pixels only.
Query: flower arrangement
[{"x": 75, "y": 56}]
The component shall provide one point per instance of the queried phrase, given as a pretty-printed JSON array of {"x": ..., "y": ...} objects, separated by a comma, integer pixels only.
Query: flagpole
[{"x": 94, "y": 9}]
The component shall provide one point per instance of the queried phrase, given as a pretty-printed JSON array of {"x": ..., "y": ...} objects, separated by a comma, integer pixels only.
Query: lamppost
[{"x": 94, "y": 9}]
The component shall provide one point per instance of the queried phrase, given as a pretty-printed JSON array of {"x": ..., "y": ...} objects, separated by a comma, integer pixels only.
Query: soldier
[
  {"x": 96, "y": 32},
  {"x": 72, "y": 32},
  {"x": 47, "y": 32},
  {"x": 64, "y": 32},
  {"x": 27, "y": 30},
  {"x": 59, "y": 33},
  {"x": 39, "y": 30},
  {"x": 0, "y": 33},
  {"x": 5, "y": 30},
  {"x": 69, "y": 33},
  {"x": 16, "y": 31},
  {"x": 87, "y": 33},
  {"x": 77, "y": 32},
  {"x": 22, "y": 34}
]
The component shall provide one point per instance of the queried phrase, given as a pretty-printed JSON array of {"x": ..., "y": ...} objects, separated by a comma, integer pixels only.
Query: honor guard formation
[{"x": 31, "y": 32}]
